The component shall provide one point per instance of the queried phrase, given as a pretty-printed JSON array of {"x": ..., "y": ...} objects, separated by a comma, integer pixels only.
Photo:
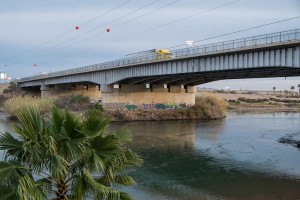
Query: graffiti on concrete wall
[
  {"x": 158, "y": 106},
  {"x": 114, "y": 106},
  {"x": 130, "y": 107}
]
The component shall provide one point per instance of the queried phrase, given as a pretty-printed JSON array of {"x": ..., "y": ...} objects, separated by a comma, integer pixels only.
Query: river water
[{"x": 233, "y": 158}]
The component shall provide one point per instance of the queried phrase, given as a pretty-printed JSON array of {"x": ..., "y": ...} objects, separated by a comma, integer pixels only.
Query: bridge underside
[
  {"x": 165, "y": 89},
  {"x": 193, "y": 79}
]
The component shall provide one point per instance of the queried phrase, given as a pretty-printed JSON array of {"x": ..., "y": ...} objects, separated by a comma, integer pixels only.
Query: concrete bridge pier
[
  {"x": 52, "y": 91},
  {"x": 114, "y": 95}
]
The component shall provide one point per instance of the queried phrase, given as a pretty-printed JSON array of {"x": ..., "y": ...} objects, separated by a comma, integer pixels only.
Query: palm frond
[
  {"x": 94, "y": 162},
  {"x": 28, "y": 189},
  {"x": 9, "y": 177},
  {"x": 117, "y": 179},
  {"x": 96, "y": 123},
  {"x": 133, "y": 159},
  {"x": 54, "y": 125},
  {"x": 124, "y": 180},
  {"x": 31, "y": 124},
  {"x": 123, "y": 135},
  {"x": 125, "y": 196},
  {"x": 73, "y": 139},
  {"x": 84, "y": 184},
  {"x": 45, "y": 183},
  {"x": 11, "y": 145},
  {"x": 58, "y": 167},
  {"x": 11, "y": 171},
  {"x": 8, "y": 192}
]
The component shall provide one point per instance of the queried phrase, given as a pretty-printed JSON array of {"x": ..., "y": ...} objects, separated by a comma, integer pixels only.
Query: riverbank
[
  {"x": 260, "y": 101},
  {"x": 207, "y": 106}
]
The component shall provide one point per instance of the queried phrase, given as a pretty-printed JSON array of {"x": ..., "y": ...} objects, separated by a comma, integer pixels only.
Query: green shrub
[{"x": 96, "y": 106}]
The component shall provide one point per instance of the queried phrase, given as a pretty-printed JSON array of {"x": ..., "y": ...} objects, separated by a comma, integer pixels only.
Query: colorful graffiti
[
  {"x": 158, "y": 106},
  {"x": 114, "y": 106},
  {"x": 130, "y": 107}
]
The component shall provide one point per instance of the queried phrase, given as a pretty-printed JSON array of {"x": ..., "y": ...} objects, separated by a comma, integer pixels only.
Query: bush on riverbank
[
  {"x": 74, "y": 102},
  {"x": 208, "y": 106},
  {"x": 14, "y": 105}
]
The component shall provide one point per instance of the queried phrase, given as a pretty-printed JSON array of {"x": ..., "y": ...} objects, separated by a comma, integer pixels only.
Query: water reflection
[
  {"x": 170, "y": 135},
  {"x": 180, "y": 175},
  {"x": 234, "y": 158}
]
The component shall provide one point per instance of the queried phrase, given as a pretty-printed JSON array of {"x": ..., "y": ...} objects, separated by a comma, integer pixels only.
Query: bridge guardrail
[{"x": 254, "y": 41}]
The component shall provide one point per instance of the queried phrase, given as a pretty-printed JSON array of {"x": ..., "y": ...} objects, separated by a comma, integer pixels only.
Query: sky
[{"x": 42, "y": 33}]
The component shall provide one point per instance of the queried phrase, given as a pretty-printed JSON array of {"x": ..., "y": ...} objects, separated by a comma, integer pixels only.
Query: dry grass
[
  {"x": 209, "y": 106},
  {"x": 14, "y": 105}
]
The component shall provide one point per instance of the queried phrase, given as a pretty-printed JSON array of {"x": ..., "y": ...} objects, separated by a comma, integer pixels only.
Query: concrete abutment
[
  {"x": 112, "y": 95},
  {"x": 116, "y": 96},
  {"x": 53, "y": 91}
]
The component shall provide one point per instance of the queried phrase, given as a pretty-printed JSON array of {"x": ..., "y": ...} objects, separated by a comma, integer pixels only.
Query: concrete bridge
[{"x": 149, "y": 79}]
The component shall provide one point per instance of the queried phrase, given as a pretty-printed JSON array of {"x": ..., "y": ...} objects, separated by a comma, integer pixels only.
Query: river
[{"x": 237, "y": 157}]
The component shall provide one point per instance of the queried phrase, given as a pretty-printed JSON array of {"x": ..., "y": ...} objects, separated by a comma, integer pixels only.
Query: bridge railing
[
  {"x": 240, "y": 43},
  {"x": 267, "y": 39}
]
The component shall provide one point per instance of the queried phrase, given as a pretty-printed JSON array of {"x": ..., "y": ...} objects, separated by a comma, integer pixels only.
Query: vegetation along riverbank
[{"x": 208, "y": 105}]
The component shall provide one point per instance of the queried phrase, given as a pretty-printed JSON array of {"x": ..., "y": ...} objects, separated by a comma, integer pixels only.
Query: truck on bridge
[{"x": 159, "y": 54}]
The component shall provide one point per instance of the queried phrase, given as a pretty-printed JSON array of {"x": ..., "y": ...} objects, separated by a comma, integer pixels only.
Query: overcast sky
[{"x": 42, "y": 33}]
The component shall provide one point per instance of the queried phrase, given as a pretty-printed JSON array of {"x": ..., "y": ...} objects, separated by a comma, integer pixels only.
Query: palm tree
[
  {"x": 65, "y": 156},
  {"x": 299, "y": 88},
  {"x": 274, "y": 88}
]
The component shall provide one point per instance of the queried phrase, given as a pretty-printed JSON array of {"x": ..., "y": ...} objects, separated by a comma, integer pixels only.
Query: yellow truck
[
  {"x": 163, "y": 54},
  {"x": 160, "y": 54}
]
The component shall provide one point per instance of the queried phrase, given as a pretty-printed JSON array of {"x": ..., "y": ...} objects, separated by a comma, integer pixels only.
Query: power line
[
  {"x": 95, "y": 35},
  {"x": 97, "y": 17},
  {"x": 181, "y": 19},
  {"x": 163, "y": 25},
  {"x": 114, "y": 27},
  {"x": 67, "y": 32},
  {"x": 243, "y": 30}
]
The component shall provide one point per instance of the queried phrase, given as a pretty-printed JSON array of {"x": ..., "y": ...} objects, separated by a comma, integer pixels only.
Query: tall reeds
[{"x": 14, "y": 105}]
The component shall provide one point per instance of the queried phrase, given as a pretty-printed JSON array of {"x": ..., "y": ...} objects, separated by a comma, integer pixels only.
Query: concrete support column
[
  {"x": 155, "y": 94},
  {"x": 44, "y": 91}
]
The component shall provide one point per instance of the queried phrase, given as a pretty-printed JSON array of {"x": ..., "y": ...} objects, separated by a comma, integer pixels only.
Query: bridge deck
[{"x": 267, "y": 41}]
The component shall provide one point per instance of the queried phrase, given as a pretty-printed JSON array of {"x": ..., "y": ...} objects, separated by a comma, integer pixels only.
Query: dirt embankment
[{"x": 261, "y": 101}]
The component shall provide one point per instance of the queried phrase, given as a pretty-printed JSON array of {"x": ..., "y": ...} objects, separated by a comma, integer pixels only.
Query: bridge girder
[{"x": 275, "y": 60}]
